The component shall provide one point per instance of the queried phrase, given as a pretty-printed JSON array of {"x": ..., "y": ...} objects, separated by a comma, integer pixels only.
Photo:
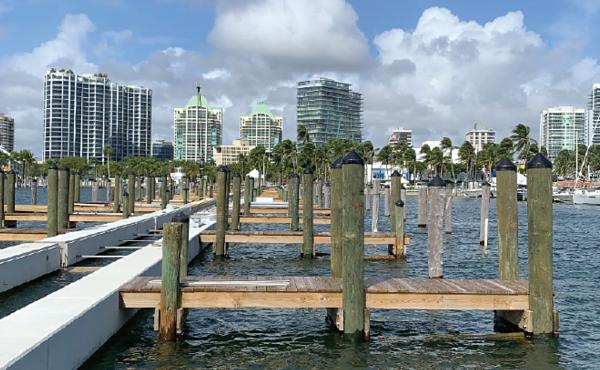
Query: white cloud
[
  {"x": 298, "y": 32},
  {"x": 218, "y": 73}
]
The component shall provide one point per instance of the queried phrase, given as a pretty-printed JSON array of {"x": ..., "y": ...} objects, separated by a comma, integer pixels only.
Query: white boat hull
[{"x": 589, "y": 198}]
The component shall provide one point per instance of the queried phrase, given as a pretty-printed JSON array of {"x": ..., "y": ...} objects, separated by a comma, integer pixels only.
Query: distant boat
[
  {"x": 562, "y": 196},
  {"x": 522, "y": 194},
  {"x": 588, "y": 197}
]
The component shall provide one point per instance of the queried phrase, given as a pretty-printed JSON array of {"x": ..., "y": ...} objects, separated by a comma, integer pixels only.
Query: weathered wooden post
[
  {"x": 219, "y": 246},
  {"x": 327, "y": 195},
  {"x": 137, "y": 192},
  {"x": 507, "y": 219},
  {"x": 34, "y": 191},
  {"x": 337, "y": 196},
  {"x": 170, "y": 291},
  {"x": 78, "y": 188},
  {"x": 94, "y": 190},
  {"x": 423, "y": 200},
  {"x": 399, "y": 247},
  {"x": 247, "y": 195},
  {"x": 485, "y": 210},
  {"x": 294, "y": 201},
  {"x": 152, "y": 188},
  {"x": 52, "y": 200},
  {"x": 131, "y": 193},
  {"x": 367, "y": 202},
  {"x": 211, "y": 189},
  {"x": 436, "y": 192},
  {"x": 117, "y": 195},
  {"x": 182, "y": 218},
  {"x": 375, "y": 206},
  {"x": 163, "y": 193},
  {"x": 237, "y": 195},
  {"x": 126, "y": 204},
  {"x": 448, "y": 208},
  {"x": 108, "y": 190},
  {"x": 319, "y": 195},
  {"x": 353, "y": 286},
  {"x": 386, "y": 202},
  {"x": 10, "y": 197},
  {"x": 186, "y": 189},
  {"x": 308, "y": 245},
  {"x": 395, "y": 187},
  {"x": 2, "y": 214},
  {"x": 539, "y": 214},
  {"x": 71, "y": 193},
  {"x": 63, "y": 199},
  {"x": 149, "y": 190}
]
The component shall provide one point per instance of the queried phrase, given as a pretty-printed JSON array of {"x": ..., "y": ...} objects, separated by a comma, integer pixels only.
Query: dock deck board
[{"x": 294, "y": 237}]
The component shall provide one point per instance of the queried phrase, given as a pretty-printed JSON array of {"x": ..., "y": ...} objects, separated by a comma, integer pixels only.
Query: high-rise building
[
  {"x": 329, "y": 110},
  {"x": 83, "y": 114},
  {"x": 401, "y": 134},
  {"x": 478, "y": 137},
  {"x": 561, "y": 128},
  {"x": 197, "y": 130},
  {"x": 7, "y": 132},
  {"x": 261, "y": 127},
  {"x": 230, "y": 154},
  {"x": 593, "y": 116},
  {"x": 163, "y": 150}
]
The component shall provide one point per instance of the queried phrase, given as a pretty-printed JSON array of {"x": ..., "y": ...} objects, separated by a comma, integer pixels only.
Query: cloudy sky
[{"x": 437, "y": 67}]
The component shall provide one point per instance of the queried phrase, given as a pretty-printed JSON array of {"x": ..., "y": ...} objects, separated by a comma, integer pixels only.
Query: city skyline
[{"x": 388, "y": 56}]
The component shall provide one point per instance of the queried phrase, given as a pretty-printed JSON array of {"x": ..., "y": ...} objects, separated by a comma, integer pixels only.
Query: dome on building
[{"x": 193, "y": 102}]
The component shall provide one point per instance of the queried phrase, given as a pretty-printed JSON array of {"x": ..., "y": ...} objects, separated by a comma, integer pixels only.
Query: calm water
[{"x": 300, "y": 338}]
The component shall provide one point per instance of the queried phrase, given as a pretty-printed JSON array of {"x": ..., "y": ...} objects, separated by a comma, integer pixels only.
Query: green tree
[
  {"x": 522, "y": 141},
  {"x": 466, "y": 153}
]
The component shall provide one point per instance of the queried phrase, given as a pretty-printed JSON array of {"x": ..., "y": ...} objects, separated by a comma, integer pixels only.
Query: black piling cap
[
  {"x": 308, "y": 170},
  {"x": 221, "y": 168},
  {"x": 294, "y": 175},
  {"x": 60, "y": 168},
  {"x": 505, "y": 164},
  {"x": 181, "y": 218},
  {"x": 396, "y": 174},
  {"x": 352, "y": 157},
  {"x": 236, "y": 174},
  {"x": 400, "y": 203},
  {"x": 2, "y": 172},
  {"x": 539, "y": 161},
  {"x": 436, "y": 182},
  {"x": 337, "y": 163}
]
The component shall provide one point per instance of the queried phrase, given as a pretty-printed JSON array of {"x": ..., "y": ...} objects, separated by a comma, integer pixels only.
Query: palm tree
[
  {"x": 489, "y": 156},
  {"x": 447, "y": 148},
  {"x": 386, "y": 155},
  {"x": 522, "y": 141},
  {"x": 107, "y": 152},
  {"x": 302, "y": 134},
  {"x": 435, "y": 159},
  {"x": 466, "y": 153}
]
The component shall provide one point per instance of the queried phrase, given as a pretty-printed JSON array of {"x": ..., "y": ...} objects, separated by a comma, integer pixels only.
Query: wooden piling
[
  {"x": 337, "y": 195},
  {"x": 308, "y": 248},
  {"x": 395, "y": 187},
  {"x": 34, "y": 191},
  {"x": 63, "y": 199},
  {"x": 247, "y": 195},
  {"x": 375, "y": 206},
  {"x": 77, "y": 197},
  {"x": 52, "y": 200},
  {"x": 319, "y": 189},
  {"x": 186, "y": 189},
  {"x": 10, "y": 196},
  {"x": 235, "y": 208},
  {"x": 399, "y": 247},
  {"x": 184, "y": 220},
  {"x": 485, "y": 210},
  {"x": 422, "y": 215},
  {"x": 164, "y": 199},
  {"x": 367, "y": 197},
  {"x": 507, "y": 219},
  {"x": 117, "y": 195},
  {"x": 353, "y": 288},
  {"x": 94, "y": 183},
  {"x": 108, "y": 190},
  {"x": 2, "y": 213},
  {"x": 436, "y": 192},
  {"x": 221, "y": 227},
  {"x": 126, "y": 204},
  {"x": 137, "y": 193},
  {"x": 170, "y": 292},
  {"x": 131, "y": 193},
  {"x": 294, "y": 201},
  {"x": 71, "y": 193},
  {"x": 148, "y": 190},
  {"x": 539, "y": 212},
  {"x": 152, "y": 188},
  {"x": 386, "y": 202},
  {"x": 448, "y": 209},
  {"x": 327, "y": 195}
]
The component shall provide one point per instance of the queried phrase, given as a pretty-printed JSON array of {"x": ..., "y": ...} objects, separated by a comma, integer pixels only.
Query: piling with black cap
[
  {"x": 170, "y": 292},
  {"x": 164, "y": 198},
  {"x": 184, "y": 220},
  {"x": 375, "y": 206},
  {"x": 236, "y": 199},
  {"x": 294, "y": 201},
  {"x": 34, "y": 191},
  {"x": 399, "y": 247},
  {"x": 436, "y": 192},
  {"x": 485, "y": 214},
  {"x": 126, "y": 204},
  {"x": 353, "y": 287},
  {"x": 10, "y": 197},
  {"x": 308, "y": 245},
  {"x": 507, "y": 219},
  {"x": 337, "y": 190},
  {"x": 221, "y": 201},
  {"x": 186, "y": 189},
  {"x": 63, "y": 199},
  {"x": 422, "y": 200},
  {"x": 52, "y": 200},
  {"x": 247, "y": 195},
  {"x": 540, "y": 232},
  {"x": 78, "y": 188},
  {"x": 131, "y": 192},
  {"x": 117, "y": 194},
  {"x": 395, "y": 186}
]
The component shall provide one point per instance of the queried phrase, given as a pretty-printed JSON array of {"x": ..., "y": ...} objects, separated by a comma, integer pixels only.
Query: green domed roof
[
  {"x": 261, "y": 108},
  {"x": 193, "y": 102}
]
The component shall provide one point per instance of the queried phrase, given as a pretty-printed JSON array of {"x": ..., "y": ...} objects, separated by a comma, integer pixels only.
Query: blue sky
[{"x": 434, "y": 66}]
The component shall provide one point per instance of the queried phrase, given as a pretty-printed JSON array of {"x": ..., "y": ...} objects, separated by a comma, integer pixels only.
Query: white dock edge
[
  {"x": 22, "y": 263},
  {"x": 63, "y": 329}
]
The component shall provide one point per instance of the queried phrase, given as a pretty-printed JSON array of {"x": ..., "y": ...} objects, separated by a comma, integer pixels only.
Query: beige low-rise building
[{"x": 230, "y": 154}]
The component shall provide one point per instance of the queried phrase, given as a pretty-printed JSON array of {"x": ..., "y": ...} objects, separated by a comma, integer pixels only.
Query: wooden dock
[
  {"x": 293, "y": 237},
  {"x": 22, "y": 234},
  {"x": 326, "y": 292},
  {"x": 76, "y": 217},
  {"x": 279, "y": 220}
]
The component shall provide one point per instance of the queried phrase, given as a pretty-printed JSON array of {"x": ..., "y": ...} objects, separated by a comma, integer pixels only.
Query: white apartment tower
[
  {"x": 401, "y": 134},
  {"x": 561, "y": 128},
  {"x": 197, "y": 130},
  {"x": 261, "y": 127},
  {"x": 7, "y": 132},
  {"x": 479, "y": 137},
  {"x": 593, "y": 116},
  {"x": 85, "y": 113}
]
